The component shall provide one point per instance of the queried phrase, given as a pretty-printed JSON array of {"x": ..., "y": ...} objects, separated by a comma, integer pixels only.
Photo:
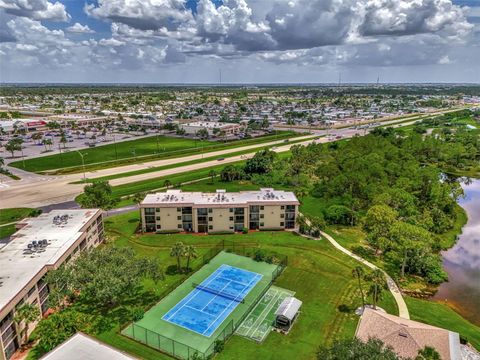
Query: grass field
[
  {"x": 173, "y": 339},
  {"x": 134, "y": 151},
  {"x": 13, "y": 214},
  {"x": 318, "y": 274}
]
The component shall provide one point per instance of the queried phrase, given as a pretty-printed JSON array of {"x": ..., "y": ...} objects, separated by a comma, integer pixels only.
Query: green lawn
[
  {"x": 437, "y": 314},
  {"x": 13, "y": 214},
  {"x": 144, "y": 146},
  {"x": 145, "y": 149},
  {"x": 6, "y": 230},
  {"x": 320, "y": 276}
]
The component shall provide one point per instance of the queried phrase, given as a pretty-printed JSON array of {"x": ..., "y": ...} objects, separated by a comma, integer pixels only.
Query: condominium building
[
  {"x": 229, "y": 129},
  {"x": 40, "y": 244},
  {"x": 175, "y": 210}
]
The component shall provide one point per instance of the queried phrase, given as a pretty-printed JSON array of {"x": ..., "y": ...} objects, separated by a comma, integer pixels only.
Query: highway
[{"x": 41, "y": 190}]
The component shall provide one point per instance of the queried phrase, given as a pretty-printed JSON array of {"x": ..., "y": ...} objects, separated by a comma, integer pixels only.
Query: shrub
[
  {"x": 137, "y": 313},
  {"x": 218, "y": 346},
  {"x": 245, "y": 230},
  {"x": 259, "y": 255}
]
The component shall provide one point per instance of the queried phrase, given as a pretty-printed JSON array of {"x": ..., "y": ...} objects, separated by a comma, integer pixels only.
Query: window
[
  {"x": 231, "y": 209},
  {"x": 158, "y": 218},
  {"x": 210, "y": 227},
  {"x": 159, "y": 227},
  {"x": 157, "y": 209},
  {"x": 179, "y": 226},
  {"x": 231, "y": 218},
  {"x": 262, "y": 207},
  {"x": 262, "y": 216},
  {"x": 210, "y": 210},
  {"x": 179, "y": 218},
  {"x": 282, "y": 216},
  {"x": 179, "y": 209},
  {"x": 282, "y": 223},
  {"x": 282, "y": 207},
  {"x": 262, "y": 224},
  {"x": 210, "y": 219},
  {"x": 149, "y": 211}
]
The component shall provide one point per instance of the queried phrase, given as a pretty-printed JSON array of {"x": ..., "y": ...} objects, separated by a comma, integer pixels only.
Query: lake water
[{"x": 462, "y": 262}]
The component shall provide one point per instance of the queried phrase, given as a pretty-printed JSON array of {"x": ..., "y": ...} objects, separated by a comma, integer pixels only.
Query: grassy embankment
[
  {"x": 184, "y": 163},
  {"x": 133, "y": 151},
  {"x": 9, "y": 216},
  {"x": 320, "y": 276}
]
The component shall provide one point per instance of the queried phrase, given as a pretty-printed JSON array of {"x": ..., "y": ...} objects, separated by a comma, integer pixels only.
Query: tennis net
[{"x": 237, "y": 298}]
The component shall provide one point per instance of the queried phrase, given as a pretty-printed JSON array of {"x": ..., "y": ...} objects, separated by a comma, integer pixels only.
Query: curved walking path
[{"x": 392, "y": 286}]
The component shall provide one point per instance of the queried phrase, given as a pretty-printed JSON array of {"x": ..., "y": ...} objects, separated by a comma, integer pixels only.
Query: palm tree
[
  {"x": 358, "y": 272},
  {"x": 2, "y": 162},
  {"x": 47, "y": 142},
  {"x": 212, "y": 174},
  {"x": 167, "y": 183},
  {"x": 377, "y": 286},
  {"x": 177, "y": 251},
  {"x": 27, "y": 313},
  {"x": 428, "y": 353},
  {"x": 138, "y": 197},
  {"x": 190, "y": 253},
  {"x": 37, "y": 136}
]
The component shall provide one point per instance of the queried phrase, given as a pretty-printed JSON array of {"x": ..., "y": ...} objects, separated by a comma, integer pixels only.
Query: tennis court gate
[{"x": 183, "y": 351}]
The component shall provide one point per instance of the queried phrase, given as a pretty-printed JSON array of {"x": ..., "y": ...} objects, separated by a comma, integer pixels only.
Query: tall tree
[
  {"x": 190, "y": 253},
  {"x": 177, "y": 251},
  {"x": 377, "y": 286},
  {"x": 27, "y": 313},
  {"x": 106, "y": 277},
  {"x": 405, "y": 239},
  {"x": 359, "y": 273},
  {"x": 97, "y": 195}
]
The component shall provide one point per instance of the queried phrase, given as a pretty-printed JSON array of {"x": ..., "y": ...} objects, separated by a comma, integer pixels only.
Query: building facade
[
  {"x": 174, "y": 210},
  {"x": 39, "y": 245},
  {"x": 229, "y": 129}
]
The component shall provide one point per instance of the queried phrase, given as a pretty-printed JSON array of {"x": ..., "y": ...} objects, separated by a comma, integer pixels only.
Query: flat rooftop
[
  {"x": 209, "y": 124},
  {"x": 221, "y": 198},
  {"x": 18, "y": 265},
  {"x": 83, "y": 347}
]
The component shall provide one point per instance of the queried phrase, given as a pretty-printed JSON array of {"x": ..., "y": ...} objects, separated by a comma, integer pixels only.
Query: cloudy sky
[{"x": 251, "y": 41}]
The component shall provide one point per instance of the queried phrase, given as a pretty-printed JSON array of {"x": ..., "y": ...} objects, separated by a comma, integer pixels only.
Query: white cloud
[
  {"x": 78, "y": 28},
  {"x": 36, "y": 9}
]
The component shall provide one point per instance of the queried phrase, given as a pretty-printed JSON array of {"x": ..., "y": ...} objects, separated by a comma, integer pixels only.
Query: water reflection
[{"x": 462, "y": 262}]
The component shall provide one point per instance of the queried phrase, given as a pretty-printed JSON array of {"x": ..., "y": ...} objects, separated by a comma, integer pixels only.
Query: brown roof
[{"x": 406, "y": 337}]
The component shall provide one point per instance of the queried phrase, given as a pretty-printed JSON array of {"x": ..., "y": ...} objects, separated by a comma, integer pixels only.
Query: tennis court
[
  {"x": 207, "y": 306},
  {"x": 210, "y": 303}
]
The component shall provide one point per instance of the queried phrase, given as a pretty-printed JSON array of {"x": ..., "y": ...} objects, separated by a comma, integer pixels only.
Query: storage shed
[{"x": 287, "y": 313}]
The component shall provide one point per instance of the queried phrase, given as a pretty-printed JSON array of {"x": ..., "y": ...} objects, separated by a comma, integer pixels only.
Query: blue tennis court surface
[{"x": 210, "y": 303}]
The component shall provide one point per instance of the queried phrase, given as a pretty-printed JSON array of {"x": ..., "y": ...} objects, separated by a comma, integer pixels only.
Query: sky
[{"x": 247, "y": 41}]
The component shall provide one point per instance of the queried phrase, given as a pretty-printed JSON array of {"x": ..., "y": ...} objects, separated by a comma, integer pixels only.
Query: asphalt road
[{"x": 41, "y": 190}]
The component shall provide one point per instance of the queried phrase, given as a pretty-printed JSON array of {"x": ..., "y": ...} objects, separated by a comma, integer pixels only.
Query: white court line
[
  {"x": 216, "y": 295},
  {"x": 218, "y": 317},
  {"x": 191, "y": 297},
  {"x": 268, "y": 308}
]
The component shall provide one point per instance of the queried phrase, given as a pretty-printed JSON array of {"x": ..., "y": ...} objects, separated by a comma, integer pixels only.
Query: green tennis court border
[
  {"x": 183, "y": 343},
  {"x": 258, "y": 323}
]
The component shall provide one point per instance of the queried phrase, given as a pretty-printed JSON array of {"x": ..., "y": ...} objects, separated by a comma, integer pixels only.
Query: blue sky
[{"x": 188, "y": 41}]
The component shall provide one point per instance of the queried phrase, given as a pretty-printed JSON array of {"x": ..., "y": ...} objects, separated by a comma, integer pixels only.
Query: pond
[{"x": 462, "y": 262}]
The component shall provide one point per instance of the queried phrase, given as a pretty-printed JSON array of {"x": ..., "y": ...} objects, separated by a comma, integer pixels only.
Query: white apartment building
[
  {"x": 41, "y": 244},
  {"x": 192, "y": 128},
  {"x": 175, "y": 210}
]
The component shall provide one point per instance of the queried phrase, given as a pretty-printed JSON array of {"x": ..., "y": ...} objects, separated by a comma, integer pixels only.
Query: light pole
[
  {"x": 115, "y": 146},
  {"x": 158, "y": 149},
  {"x": 83, "y": 164}
]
